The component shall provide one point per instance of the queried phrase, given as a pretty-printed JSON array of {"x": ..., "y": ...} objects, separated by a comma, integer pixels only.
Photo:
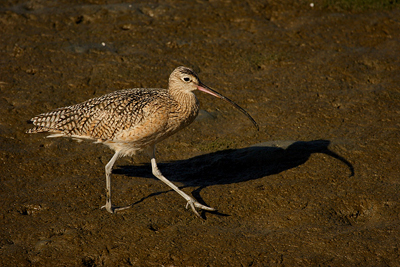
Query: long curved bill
[{"x": 204, "y": 88}]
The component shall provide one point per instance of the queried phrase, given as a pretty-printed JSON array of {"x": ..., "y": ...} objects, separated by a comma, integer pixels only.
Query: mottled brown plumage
[{"x": 131, "y": 120}]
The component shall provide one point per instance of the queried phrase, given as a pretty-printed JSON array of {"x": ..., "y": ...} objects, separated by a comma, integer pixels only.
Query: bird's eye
[{"x": 186, "y": 79}]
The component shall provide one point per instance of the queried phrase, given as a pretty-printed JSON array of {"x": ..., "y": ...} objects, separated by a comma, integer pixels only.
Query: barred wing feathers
[{"x": 101, "y": 118}]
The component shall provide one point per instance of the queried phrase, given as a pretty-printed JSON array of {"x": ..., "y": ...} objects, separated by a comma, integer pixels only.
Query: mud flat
[{"x": 317, "y": 185}]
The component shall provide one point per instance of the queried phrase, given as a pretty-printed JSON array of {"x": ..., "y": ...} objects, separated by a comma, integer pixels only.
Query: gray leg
[
  {"x": 108, "y": 206},
  {"x": 190, "y": 201}
]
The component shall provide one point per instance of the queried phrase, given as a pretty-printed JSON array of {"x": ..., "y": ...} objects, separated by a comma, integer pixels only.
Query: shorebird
[{"x": 131, "y": 120}]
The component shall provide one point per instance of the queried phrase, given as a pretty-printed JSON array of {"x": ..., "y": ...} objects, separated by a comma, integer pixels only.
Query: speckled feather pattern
[{"x": 125, "y": 120}]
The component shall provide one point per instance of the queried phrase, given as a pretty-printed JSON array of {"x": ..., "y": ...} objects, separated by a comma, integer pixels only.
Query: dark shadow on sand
[{"x": 235, "y": 165}]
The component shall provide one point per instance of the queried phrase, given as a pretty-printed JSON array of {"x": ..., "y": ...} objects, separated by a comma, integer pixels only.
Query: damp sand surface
[{"x": 317, "y": 185}]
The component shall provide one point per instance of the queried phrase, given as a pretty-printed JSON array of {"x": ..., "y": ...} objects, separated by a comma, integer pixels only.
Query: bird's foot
[
  {"x": 194, "y": 204},
  {"x": 112, "y": 209}
]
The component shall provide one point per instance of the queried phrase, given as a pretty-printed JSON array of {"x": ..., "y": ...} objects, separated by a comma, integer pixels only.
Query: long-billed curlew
[{"x": 131, "y": 120}]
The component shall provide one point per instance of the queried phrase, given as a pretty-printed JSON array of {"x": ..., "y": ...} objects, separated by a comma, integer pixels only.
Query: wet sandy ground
[{"x": 317, "y": 185}]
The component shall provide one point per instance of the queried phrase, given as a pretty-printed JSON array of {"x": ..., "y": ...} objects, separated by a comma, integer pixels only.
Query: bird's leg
[
  {"x": 108, "y": 168},
  {"x": 108, "y": 206},
  {"x": 190, "y": 201}
]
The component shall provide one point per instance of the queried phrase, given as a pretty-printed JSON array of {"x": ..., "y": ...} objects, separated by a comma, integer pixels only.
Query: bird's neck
[{"x": 187, "y": 102}]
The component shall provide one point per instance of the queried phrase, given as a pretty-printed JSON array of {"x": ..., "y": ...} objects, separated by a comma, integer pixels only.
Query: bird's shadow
[{"x": 235, "y": 165}]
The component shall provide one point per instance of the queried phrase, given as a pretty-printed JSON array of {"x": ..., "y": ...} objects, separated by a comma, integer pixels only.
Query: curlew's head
[
  {"x": 183, "y": 79},
  {"x": 186, "y": 80}
]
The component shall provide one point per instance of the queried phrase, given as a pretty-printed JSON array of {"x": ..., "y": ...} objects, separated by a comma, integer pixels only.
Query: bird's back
[{"x": 103, "y": 118}]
